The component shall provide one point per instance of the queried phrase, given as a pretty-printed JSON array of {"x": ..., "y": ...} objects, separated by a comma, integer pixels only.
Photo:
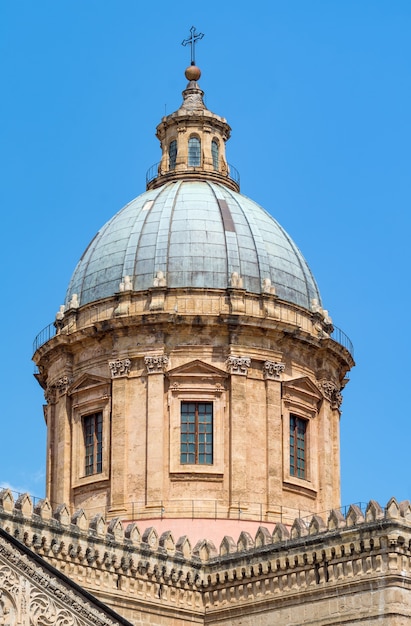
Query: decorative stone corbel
[
  {"x": 156, "y": 364},
  {"x": 272, "y": 370},
  {"x": 120, "y": 367},
  {"x": 238, "y": 365}
]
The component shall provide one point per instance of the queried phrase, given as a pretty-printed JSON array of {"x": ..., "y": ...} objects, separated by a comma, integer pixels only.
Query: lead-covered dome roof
[{"x": 198, "y": 233}]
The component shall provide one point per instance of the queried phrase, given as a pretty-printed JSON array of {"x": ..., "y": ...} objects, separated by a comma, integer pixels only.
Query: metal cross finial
[{"x": 192, "y": 41}]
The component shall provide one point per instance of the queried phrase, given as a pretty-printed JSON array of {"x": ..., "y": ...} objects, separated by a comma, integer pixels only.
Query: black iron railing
[
  {"x": 154, "y": 171},
  {"x": 49, "y": 331},
  {"x": 44, "y": 335},
  {"x": 340, "y": 337}
]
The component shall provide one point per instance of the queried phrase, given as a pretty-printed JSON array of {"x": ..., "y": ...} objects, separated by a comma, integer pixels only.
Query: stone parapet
[{"x": 312, "y": 559}]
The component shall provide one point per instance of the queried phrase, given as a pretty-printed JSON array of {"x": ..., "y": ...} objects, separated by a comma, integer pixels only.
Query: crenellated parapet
[{"x": 364, "y": 544}]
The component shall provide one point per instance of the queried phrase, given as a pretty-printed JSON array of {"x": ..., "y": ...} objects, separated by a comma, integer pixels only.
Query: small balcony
[{"x": 157, "y": 175}]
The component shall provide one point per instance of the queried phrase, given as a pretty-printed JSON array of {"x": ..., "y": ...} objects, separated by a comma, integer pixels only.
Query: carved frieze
[
  {"x": 119, "y": 367},
  {"x": 156, "y": 364},
  {"x": 238, "y": 365},
  {"x": 28, "y": 591},
  {"x": 272, "y": 370}
]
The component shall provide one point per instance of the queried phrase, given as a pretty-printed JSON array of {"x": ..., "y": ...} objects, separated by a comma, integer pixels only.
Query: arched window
[
  {"x": 214, "y": 153},
  {"x": 194, "y": 152},
  {"x": 172, "y": 154}
]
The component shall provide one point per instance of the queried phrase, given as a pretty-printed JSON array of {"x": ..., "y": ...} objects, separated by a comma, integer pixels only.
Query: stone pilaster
[
  {"x": 238, "y": 367},
  {"x": 274, "y": 440},
  {"x": 155, "y": 424},
  {"x": 59, "y": 461},
  {"x": 119, "y": 443}
]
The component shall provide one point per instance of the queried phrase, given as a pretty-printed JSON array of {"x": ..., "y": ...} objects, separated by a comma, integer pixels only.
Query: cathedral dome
[{"x": 193, "y": 234}]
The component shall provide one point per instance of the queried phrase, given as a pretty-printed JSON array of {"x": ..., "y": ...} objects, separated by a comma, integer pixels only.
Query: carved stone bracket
[
  {"x": 238, "y": 365},
  {"x": 272, "y": 370},
  {"x": 156, "y": 364},
  {"x": 331, "y": 392},
  {"x": 120, "y": 367}
]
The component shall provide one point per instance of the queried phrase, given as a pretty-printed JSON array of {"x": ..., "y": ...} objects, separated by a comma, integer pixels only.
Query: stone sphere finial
[{"x": 193, "y": 72}]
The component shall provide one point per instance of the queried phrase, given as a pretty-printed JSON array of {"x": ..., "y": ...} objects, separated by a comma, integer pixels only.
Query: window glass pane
[
  {"x": 172, "y": 154},
  {"x": 298, "y": 428},
  {"x": 214, "y": 153},
  {"x": 196, "y": 435},
  {"x": 194, "y": 152},
  {"x": 93, "y": 443}
]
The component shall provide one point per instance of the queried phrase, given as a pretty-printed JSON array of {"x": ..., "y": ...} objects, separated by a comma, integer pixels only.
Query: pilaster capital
[
  {"x": 272, "y": 370},
  {"x": 119, "y": 367},
  {"x": 331, "y": 392},
  {"x": 156, "y": 364},
  {"x": 238, "y": 365},
  {"x": 60, "y": 387}
]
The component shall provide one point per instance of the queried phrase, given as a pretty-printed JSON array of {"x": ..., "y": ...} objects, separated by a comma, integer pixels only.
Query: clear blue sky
[{"x": 318, "y": 94}]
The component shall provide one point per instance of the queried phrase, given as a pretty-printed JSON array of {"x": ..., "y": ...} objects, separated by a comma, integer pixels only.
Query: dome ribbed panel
[
  {"x": 197, "y": 254},
  {"x": 197, "y": 233}
]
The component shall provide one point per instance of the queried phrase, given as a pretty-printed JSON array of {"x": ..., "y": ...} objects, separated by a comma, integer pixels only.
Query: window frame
[
  {"x": 89, "y": 396},
  {"x": 196, "y": 435},
  {"x": 196, "y": 381},
  {"x": 300, "y": 397},
  {"x": 194, "y": 151},
  {"x": 93, "y": 428},
  {"x": 172, "y": 156},
  {"x": 298, "y": 454},
  {"x": 215, "y": 154}
]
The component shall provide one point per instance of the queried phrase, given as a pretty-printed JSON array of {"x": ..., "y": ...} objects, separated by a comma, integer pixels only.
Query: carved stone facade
[{"x": 32, "y": 593}]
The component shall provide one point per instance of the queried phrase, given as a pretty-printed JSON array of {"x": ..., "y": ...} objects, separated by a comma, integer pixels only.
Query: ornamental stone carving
[
  {"x": 120, "y": 367},
  {"x": 238, "y": 365},
  {"x": 331, "y": 392},
  {"x": 60, "y": 387},
  {"x": 272, "y": 370},
  {"x": 39, "y": 598},
  {"x": 236, "y": 281},
  {"x": 156, "y": 364}
]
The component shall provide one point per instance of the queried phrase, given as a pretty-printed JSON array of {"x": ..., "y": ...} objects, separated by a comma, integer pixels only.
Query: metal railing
[
  {"x": 49, "y": 331},
  {"x": 340, "y": 337},
  {"x": 155, "y": 170},
  {"x": 206, "y": 509},
  {"x": 44, "y": 335}
]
